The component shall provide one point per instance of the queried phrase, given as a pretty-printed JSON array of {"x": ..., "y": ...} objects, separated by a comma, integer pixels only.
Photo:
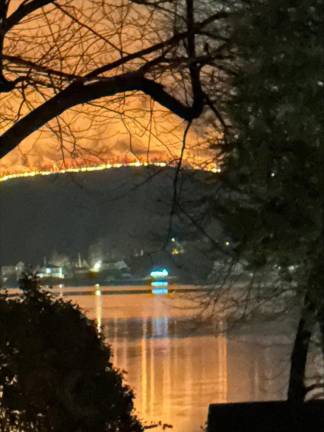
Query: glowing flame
[{"x": 54, "y": 169}]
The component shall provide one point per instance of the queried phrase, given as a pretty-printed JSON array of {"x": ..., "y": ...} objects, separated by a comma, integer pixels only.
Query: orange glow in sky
[
  {"x": 113, "y": 145},
  {"x": 115, "y": 131}
]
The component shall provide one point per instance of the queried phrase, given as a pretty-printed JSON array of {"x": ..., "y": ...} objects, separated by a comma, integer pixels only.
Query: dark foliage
[
  {"x": 55, "y": 370},
  {"x": 274, "y": 208},
  {"x": 277, "y": 114}
]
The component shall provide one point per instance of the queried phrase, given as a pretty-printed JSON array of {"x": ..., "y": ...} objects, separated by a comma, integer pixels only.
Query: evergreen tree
[{"x": 276, "y": 153}]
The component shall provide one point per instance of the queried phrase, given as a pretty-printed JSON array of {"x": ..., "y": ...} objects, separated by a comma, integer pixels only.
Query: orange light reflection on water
[{"x": 178, "y": 368}]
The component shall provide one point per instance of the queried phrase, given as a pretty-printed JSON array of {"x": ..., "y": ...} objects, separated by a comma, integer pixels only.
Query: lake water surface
[{"x": 178, "y": 365}]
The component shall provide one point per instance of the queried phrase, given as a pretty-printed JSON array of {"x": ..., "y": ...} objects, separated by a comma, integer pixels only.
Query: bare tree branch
[
  {"x": 81, "y": 93},
  {"x": 22, "y": 11},
  {"x": 64, "y": 55}
]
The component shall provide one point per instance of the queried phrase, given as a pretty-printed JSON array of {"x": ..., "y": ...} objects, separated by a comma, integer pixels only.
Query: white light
[
  {"x": 156, "y": 274},
  {"x": 97, "y": 266},
  {"x": 227, "y": 243}
]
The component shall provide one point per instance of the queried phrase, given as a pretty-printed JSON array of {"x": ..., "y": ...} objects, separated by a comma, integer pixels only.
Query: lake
[{"x": 179, "y": 364}]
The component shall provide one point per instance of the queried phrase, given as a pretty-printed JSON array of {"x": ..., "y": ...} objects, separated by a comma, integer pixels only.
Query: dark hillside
[{"x": 112, "y": 212}]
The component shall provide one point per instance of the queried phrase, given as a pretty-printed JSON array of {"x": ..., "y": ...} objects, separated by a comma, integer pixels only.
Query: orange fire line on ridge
[{"x": 89, "y": 168}]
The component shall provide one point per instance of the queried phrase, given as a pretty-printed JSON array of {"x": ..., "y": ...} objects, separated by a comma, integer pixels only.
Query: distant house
[
  {"x": 51, "y": 271},
  {"x": 7, "y": 270},
  {"x": 111, "y": 269},
  {"x": 116, "y": 265}
]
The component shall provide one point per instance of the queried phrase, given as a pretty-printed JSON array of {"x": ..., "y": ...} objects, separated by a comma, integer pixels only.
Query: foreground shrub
[{"x": 55, "y": 370}]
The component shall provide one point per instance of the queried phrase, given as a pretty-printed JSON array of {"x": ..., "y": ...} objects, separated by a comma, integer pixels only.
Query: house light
[{"x": 97, "y": 266}]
